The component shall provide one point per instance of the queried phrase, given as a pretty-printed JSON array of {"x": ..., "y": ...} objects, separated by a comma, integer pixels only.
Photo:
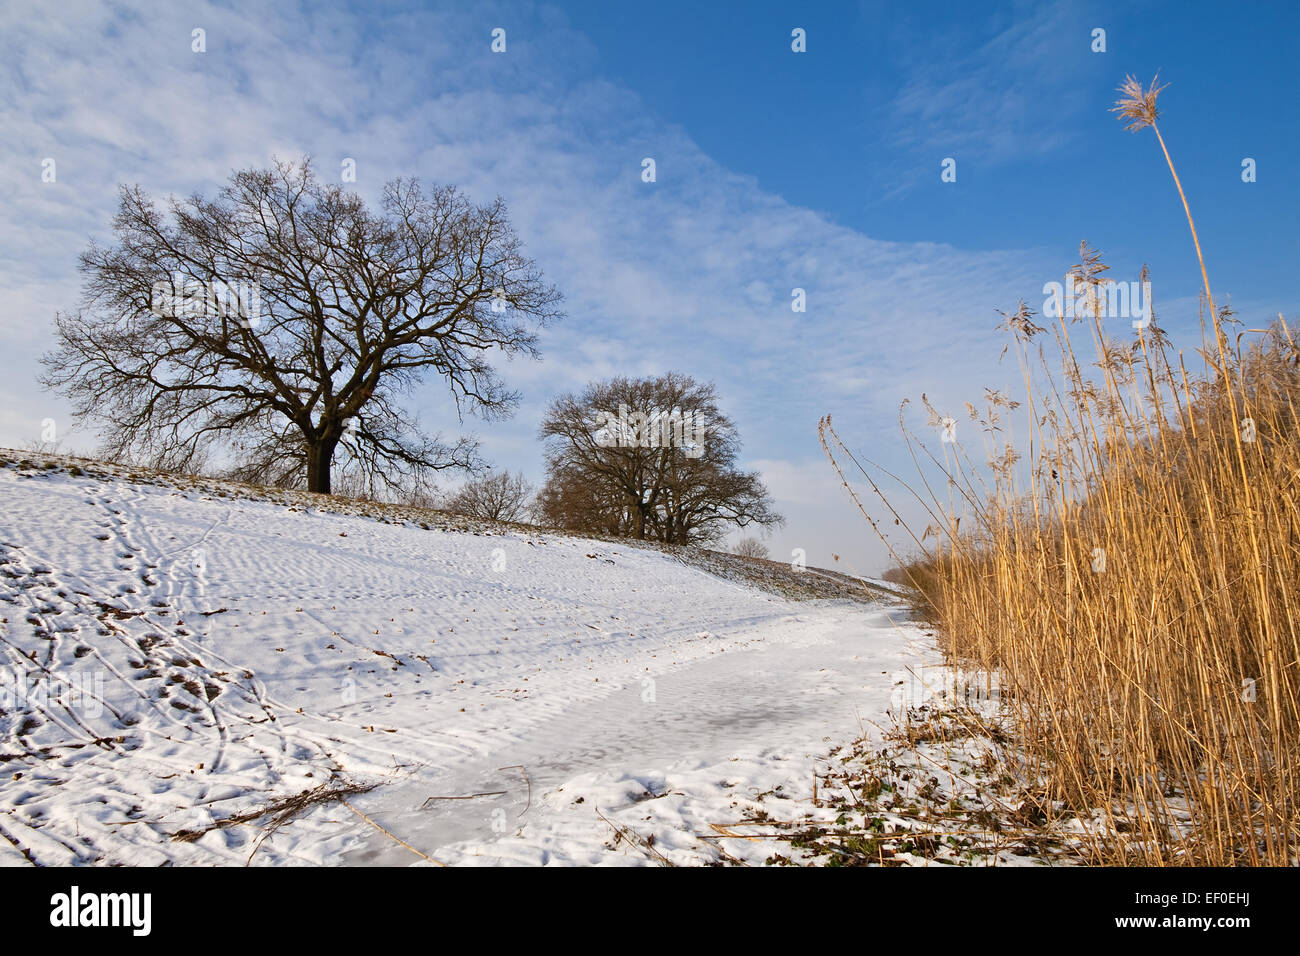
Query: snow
[{"x": 173, "y": 655}]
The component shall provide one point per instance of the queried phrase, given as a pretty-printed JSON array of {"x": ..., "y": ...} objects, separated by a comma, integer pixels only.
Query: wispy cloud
[{"x": 989, "y": 96}]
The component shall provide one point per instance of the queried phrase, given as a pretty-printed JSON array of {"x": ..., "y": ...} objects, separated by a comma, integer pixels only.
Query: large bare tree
[
  {"x": 284, "y": 320},
  {"x": 648, "y": 458}
]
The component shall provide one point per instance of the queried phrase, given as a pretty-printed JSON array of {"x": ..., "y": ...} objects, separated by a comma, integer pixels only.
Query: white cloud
[{"x": 691, "y": 273}]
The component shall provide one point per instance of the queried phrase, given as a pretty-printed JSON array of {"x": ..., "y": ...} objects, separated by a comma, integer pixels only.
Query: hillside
[{"x": 182, "y": 654}]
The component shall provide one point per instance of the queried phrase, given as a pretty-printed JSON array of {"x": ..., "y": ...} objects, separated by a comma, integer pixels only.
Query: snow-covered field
[{"x": 176, "y": 656}]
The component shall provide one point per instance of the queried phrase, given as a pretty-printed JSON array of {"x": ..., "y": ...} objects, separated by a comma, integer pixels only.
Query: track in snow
[{"x": 234, "y": 652}]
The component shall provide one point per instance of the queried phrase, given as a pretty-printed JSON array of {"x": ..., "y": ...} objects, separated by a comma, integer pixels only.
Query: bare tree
[
  {"x": 648, "y": 458},
  {"x": 499, "y": 497},
  {"x": 581, "y": 500},
  {"x": 284, "y": 321},
  {"x": 751, "y": 548}
]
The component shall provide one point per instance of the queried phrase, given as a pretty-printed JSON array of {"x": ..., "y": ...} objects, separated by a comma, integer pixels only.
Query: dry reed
[{"x": 1133, "y": 579}]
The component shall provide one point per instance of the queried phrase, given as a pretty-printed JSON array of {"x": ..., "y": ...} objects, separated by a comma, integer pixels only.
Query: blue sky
[
  {"x": 776, "y": 170},
  {"x": 853, "y": 128}
]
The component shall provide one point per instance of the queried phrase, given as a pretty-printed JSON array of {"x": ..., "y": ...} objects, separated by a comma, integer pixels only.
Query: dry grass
[
  {"x": 940, "y": 788},
  {"x": 1133, "y": 578}
]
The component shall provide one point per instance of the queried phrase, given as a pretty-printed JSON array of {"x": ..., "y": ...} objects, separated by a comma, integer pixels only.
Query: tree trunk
[
  {"x": 320, "y": 456},
  {"x": 638, "y": 519}
]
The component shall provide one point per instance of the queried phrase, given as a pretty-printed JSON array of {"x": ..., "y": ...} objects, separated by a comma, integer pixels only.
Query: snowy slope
[{"x": 171, "y": 657}]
